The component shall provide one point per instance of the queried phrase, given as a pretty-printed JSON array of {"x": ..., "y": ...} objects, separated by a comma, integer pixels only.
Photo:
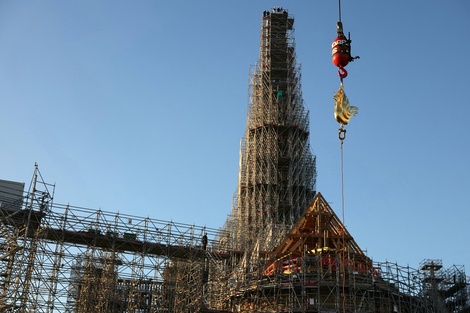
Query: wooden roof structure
[{"x": 319, "y": 230}]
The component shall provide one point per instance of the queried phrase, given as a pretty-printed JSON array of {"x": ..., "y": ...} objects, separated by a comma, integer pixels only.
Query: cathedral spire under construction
[{"x": 277, "y": 169}]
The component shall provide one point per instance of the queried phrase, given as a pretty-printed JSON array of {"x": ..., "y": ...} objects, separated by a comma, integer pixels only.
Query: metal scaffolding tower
[{"x": 277, "y": 169}]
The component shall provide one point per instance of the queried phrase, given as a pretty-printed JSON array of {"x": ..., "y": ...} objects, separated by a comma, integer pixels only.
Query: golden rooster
[{"x": 343, "y": 111}]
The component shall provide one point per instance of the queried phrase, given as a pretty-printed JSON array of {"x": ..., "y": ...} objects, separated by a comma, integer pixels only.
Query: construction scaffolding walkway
[{"x": 60, "y": 258}]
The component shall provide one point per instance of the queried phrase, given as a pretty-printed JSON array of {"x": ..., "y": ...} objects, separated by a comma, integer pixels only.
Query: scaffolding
[
  {"x": 61, "y": 258},
  {"x": 282, "y": 249},
  {"x": 277, "y": 169},
  {"x": 318, "y": 267}
]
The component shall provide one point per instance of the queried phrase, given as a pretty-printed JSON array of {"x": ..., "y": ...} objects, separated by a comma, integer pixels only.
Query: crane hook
[{"x": 342, "y": 73}]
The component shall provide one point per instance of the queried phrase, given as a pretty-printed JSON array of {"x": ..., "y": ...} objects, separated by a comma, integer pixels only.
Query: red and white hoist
[{"x": 341, "y": 51}]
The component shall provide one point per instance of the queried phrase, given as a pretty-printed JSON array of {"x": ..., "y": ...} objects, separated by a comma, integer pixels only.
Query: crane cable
[
  {"x": 339, "y": 11},
  {"x": 343, "y": 111},
  {"x": 342, "y": 136}
]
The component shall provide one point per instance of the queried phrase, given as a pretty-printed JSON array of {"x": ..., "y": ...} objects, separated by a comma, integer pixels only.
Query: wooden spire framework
[{"x": 319, "y": 229}]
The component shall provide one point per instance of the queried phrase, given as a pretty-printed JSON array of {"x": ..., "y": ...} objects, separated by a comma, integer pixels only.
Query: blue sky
[{"x": 139, "y": 107}]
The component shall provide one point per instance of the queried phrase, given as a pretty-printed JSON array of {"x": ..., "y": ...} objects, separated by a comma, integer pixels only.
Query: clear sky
[{"x": 139, "y": 107}]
